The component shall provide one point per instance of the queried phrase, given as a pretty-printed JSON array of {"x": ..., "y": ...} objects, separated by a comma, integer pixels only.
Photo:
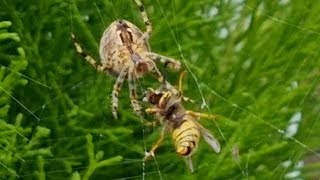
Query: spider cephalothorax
[
  {"x": 122, "y": 46},
  {"x": 125, "y": 54}
]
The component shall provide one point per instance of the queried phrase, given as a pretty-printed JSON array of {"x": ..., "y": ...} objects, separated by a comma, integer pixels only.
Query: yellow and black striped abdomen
[{"x": 186, "y": 136}]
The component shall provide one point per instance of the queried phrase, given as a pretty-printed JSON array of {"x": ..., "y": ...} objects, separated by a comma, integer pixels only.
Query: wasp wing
[
  {"x": 212, "y": 141},
  {"x": 189, "y": 163}
]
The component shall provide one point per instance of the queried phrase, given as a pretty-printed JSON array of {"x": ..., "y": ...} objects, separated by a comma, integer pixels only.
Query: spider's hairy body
[
  {"x": 167, "y": 106},
  {"x": 122, "y": 46}
]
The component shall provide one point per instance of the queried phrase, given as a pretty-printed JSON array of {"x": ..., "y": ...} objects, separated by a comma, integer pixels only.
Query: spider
[{"x": 125, "y": 54}]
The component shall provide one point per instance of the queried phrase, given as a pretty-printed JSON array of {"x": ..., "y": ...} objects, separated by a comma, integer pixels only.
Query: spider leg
[
  {"x": 87, "y": 57},
  {"x": 116, "y": 90},
  {"x": 155, "y": 146},
  {"x": 172, "y": 63},
  {"x": 133, "y": 93},
  {"x": 155, "y": 71},
  {"x": 146, "y": 20},
  {"x": 133, "y": 98}
]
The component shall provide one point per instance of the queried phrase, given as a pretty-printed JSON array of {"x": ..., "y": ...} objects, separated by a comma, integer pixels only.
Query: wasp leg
[
  {"x": 149, "y": 124},
  {"x": 187, "y": 99},
  {"x": 184, "y": 98},
  {"x": 153, "y": 110},
  {"x": 202, "y": 115},
  {"x": 180, "y": 80},
  {"x": 155, "y": 146}
]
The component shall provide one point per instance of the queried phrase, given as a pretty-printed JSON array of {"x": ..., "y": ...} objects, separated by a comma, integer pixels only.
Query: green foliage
[
  {"x": 18, "y": 142},
  {"x": 254, "y": 62}
]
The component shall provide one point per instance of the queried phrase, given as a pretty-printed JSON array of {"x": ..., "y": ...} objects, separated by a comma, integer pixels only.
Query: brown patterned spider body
[
  {"x": 125, "y": 54},
  {"x": 122, "y": 46}
]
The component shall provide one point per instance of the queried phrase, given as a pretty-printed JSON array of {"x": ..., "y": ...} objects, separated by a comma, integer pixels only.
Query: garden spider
[{"x": 125, "y": 53}]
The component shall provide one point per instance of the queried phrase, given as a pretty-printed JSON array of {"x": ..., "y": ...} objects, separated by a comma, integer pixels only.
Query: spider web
[{"x": 266, "y": 128}]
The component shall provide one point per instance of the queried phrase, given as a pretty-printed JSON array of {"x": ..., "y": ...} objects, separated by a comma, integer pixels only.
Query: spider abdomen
[{"x": 120, "y": 42}]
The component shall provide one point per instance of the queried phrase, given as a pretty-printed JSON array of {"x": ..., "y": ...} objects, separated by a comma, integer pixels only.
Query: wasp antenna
[{"x": 180, "y": 80}]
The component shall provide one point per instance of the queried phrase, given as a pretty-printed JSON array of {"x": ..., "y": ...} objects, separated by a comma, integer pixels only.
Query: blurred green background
[{"x": 255, "y": 62}]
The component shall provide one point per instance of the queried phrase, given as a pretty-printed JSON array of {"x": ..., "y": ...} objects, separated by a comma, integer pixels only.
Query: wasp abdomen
[{"x": 186, "y": 137}]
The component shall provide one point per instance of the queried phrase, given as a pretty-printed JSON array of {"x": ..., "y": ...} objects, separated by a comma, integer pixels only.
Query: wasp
[{"x": 167, "y": 105}]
